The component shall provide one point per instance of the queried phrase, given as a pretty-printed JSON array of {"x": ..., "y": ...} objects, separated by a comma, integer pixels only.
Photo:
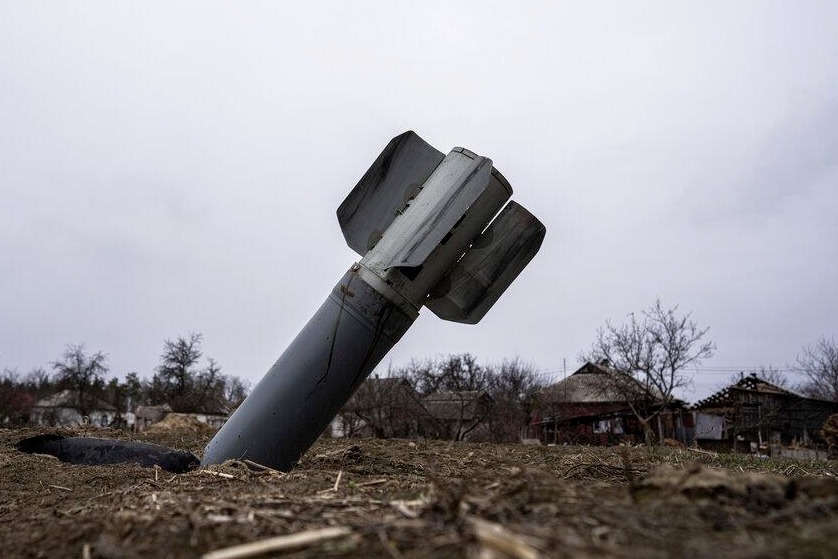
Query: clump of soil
[{"x": 411, "y": 499}]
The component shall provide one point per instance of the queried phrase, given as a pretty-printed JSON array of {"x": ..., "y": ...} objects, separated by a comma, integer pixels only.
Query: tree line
[
  {"x": 184, "y": 379},
  {"x": 647, "y": 358},
  {"x": 448, "y": 397}
]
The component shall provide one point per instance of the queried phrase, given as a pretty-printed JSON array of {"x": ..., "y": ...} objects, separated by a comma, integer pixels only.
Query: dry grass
[{"x": 406, "y": 499}]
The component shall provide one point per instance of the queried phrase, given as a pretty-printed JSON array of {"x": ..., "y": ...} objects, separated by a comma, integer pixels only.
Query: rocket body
[
  {"x": 428, "y": 228},
  {"x": 299, "y": 396}
]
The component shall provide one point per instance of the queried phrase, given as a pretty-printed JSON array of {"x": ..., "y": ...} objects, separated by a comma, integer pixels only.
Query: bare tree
[
  {"x": 388, "y": 407},
  {"x": 773, "y": 376},
  {"x": 235, "y": 390},
  {"x": 448, "y": 373},
  {"x": 179, "y": 381},
  {"x": 208, "y": 393},
  {"x": 455, "y": 393},
  {"x": 83, "y": 374},
  {"x": 173, "y": 382},
  {"x": 648, "y": 355},
  {"x": 182, "y": 383},
  {"x": 515, "y": 388},
  {"x": 38, "y": 383},
  {"x": 447, "y": 397},
  {"x": 819, "y": 364}
]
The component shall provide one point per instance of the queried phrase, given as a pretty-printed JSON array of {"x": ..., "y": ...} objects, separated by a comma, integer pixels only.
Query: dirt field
[{"x": 407, "y": 499}]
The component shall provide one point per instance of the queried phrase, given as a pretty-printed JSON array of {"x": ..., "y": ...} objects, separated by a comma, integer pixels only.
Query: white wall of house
[
  {"x": 214, "y": 421},
  {"x": 69, "y": 417}
]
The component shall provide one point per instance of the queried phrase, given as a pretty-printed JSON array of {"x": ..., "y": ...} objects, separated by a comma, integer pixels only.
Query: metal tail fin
[
  {"x": 402, "y": 168},
  {"x": 492, "y": 263}
]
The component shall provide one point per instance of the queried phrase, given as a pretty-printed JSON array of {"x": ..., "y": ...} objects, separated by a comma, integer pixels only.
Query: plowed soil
[{"x": 404, "y": 499}]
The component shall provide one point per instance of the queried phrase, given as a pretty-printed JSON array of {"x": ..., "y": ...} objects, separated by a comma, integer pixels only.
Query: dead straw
[
  {"x": 262, "y": 467},
  {"x": 217, "y": 474},
  {"x": 373, "y": 482},
  {"x": 496, "y": 537},
  {"x": 279, "y": 543}
]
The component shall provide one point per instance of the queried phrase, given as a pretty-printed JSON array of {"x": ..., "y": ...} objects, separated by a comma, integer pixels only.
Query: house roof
[
  {"x": 374, "y": 389},
  {"x": 390, "y": 393},
  {"x": 591, "y": 383},
  {"x": 395, "y": 384},
  {"x": 70, "y": 399},
  {"x": 456, "y": 404},
  {"x": 751, "y": 383}
]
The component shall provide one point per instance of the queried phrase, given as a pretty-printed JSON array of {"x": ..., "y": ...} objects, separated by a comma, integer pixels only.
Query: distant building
[
  {"x": 588, "y": 408},
  {"x": 381, "y": 407},
  {"x": 391, "y": 407},
  {"x": 756, "y": 411},
  {"x": 62, "y": 409}
]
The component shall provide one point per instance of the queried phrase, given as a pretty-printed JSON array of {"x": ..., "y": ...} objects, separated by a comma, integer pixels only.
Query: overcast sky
[{"x": 174, "y": 167}]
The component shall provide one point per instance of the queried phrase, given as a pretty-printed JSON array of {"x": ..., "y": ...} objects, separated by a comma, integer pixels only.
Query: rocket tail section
[{"x": 488, "y": 268}]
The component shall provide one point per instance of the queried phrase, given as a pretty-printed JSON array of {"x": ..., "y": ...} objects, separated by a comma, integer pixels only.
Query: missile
[{"x": 432, "y": 230}]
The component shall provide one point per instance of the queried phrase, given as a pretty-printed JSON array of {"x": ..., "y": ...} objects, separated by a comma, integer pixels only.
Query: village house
[
  {"x": 755, "y": 411},
  {"x": 381, "y": 407},
  {"x": 62, "y": 409},
  {"x": 588, "y": 408},
  {"x": 391, "y": 407}
]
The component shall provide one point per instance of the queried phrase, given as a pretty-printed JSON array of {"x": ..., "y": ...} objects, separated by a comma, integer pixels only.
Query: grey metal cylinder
[{"x": 328, "y": 360}]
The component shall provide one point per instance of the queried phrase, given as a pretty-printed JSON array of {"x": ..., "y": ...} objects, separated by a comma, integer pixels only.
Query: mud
[{"x": 405, "y": 499}]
